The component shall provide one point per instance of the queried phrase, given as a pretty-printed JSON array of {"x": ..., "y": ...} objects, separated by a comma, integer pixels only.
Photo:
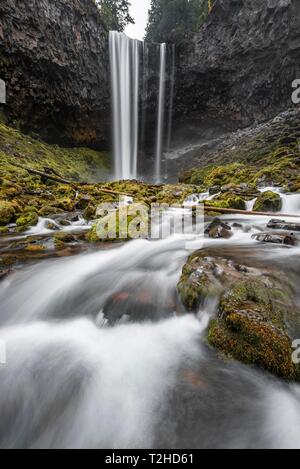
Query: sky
[{"x": 139, "y": 11}]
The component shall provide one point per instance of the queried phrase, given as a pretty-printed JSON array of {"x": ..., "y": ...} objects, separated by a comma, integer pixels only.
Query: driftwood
[
  {"x": 247, "y": 212},
  {"x": 66, "y": 181}
]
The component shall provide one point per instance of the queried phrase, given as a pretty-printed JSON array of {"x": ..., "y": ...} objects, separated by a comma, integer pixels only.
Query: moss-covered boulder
[
  {"x": 61, "y": 239},
  {"x": 255, "y": 324},
  {"x": 121, "y": 224},
  {"x": 257, "y": 318},
  {"x": 7, "y": 212},
  {"x": 268, "y": 202},
  {"x": 228, "y": 200},
  {"x": 27, "y": 219}
]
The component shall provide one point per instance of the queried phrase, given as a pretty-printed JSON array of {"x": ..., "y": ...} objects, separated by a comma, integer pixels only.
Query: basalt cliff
[
  {"x": 54, "y": 59},
  {"x": 240, "y": 67}
]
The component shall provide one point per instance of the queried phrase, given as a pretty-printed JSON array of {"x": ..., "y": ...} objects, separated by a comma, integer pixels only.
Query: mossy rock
[
  {"x": 228, "y": 200},
  {"x": 62, "y": 238},
  {"x": 268, "y": 202},
  {"x": 48, "y": 210},
  {"x": 7, "y": 213},
  {"x": 197, "y": 282},
  {"x": 27, "y": 219},
  {"x": 255, "y": 325},
  {"x": 257, "y": 318},
  {"x": 118, "y": 226}
]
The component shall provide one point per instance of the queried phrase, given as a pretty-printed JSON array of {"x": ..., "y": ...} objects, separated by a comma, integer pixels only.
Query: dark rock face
[
  {"x": 240, "y": 68},
  {"x": 54, "y": 59}
]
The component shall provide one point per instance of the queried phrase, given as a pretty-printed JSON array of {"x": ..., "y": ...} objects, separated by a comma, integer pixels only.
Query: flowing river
[{"x": 100, "y": 355}]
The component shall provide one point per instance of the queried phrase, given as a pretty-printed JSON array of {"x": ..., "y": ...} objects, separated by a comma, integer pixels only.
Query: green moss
[
  {"x": 228, "y": 200},
  {"x": 252, "y": 326},
  {"x": 27, "y": 219},
  {"x": 268, "y": 202},
  {"x": 80, "y": 164},
  {"x": 7, "y": 212},
  {"x": 61, "y": 239}
]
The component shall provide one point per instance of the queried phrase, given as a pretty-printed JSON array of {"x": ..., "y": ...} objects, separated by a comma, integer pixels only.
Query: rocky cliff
[
  {"x": 54, "y": 59},
  {"x": 240, "y": 66}
]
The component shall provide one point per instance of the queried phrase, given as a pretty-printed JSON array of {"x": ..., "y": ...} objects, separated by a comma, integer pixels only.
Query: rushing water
[{"x": 101, "y": 355}]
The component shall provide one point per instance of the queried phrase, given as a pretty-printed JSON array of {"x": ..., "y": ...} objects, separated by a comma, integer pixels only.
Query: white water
[
  {"x": 69, "y": 382},
  {"x": 290, "y": 204},
  {"x": 161, "y": 112},
  {"x": 124, "y": 65}
]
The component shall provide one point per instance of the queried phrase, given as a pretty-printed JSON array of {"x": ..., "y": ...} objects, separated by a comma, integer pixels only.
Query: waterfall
[
  {"x": 171, "y": 103},
  {"x": 124, "y": 63},
  {"x": 131, "y": 75},
  {"x": 161, "y": 109}
]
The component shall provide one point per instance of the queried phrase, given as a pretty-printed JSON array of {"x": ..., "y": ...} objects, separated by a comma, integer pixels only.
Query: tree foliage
[
  {"x": 175, "y": 20},
  {"x": 115, "y": 13}
]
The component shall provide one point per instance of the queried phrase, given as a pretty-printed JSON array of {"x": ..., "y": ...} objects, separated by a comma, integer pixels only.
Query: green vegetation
[
  {"x": 115, "y": 13},
  {"x": 175, "y": 20}
]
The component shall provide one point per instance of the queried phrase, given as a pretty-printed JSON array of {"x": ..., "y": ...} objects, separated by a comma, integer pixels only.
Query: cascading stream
[{"x": 107, "y": 377}]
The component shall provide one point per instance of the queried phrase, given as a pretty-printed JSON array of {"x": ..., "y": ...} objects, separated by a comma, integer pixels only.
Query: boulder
[
  {"x": 217, "y": 229},
  {"x": 257, "y": 317},
  {"x": 7, "y": 213},
  {"x": 276, "y": 238},
  {"x": 276, "y": 224},
  {"x": 268, "y": 202}
]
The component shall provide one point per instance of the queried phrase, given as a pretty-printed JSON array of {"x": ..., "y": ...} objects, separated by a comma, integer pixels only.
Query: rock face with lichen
[
  {"x": 54, "y": 59},
  {"x": 256, "y": 319},
  {"x": 239, "y": 68}
]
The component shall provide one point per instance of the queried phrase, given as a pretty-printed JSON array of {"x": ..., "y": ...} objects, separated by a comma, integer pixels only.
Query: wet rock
[
  {"x": 130, "y": 306},
  {"x": 256, "y": 319},
  {"x": 90, "y": 212},
  {"x": 214, "y": 190},
  {"x": 51, "y": 226},
  {"x": 276, "y": 238},
  {"x": 83, "y": 202},
  {"x": 276, "y": 224},
  {"x": 65, "y": 222},
  {"x": 61, "y": 239},
  {"x": 7, "y": 212},
  {"x": 27, "y": 219},
  {"x": 48, "y": 210},
  {"x": 268, "y": 202},
  {"x": 4, "y": 273},
  {"x": 218, "y": 229}
]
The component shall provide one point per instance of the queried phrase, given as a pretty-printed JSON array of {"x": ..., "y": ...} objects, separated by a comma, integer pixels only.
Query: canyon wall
[
  {"x": 239, "y": 68},
  {"x": 54, "y": 59}
]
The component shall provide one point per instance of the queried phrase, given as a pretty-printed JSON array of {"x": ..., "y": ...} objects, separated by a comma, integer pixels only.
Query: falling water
[
  {"x": 171, "y": 103},
  {"x": 124, "y": 64},
  {"x": 161, "y": 107}
]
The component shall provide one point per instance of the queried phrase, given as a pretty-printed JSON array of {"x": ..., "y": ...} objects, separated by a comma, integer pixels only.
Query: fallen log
[
  {"x": 234, "y": 211},
  {"x": 66, "y": 181}
]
